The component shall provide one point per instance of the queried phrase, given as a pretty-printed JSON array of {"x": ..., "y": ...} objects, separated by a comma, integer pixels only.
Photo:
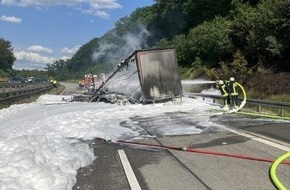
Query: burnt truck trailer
[{"x": 145, "y": 76}]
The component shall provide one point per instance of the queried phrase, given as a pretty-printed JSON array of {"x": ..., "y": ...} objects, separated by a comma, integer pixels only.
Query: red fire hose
[{"x": 187, "y": 149}]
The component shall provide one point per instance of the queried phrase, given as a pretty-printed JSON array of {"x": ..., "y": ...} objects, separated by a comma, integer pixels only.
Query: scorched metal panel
[{"x": 158, "y": 73}]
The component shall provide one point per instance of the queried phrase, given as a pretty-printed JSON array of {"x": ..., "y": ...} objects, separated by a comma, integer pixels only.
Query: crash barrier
[
  {"x": 13, "y": 91},
  {"x": 282, "y": 106}
]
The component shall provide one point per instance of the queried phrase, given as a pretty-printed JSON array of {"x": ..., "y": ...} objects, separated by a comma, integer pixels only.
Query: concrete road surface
[
  {"x": 168, "y": 169},
  {"x": 158, "y": 169},
  {"x": 72, "y": 88}
]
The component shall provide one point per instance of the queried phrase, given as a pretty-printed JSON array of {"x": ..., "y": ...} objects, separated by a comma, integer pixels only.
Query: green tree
[
  {"x": 7, "y": 57},
  {"x": 263, "y": 32},
  {"x": 176, "y": 17},
  {"x": 210, "y": 42},
  {"x": 83, "y": 57},
  {"x": 57, "y": 68},
  {"x": 204, "y": 33}
]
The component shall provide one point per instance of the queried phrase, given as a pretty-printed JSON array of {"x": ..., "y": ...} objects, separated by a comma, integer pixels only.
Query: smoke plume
[{"x": 114, "y": 48}]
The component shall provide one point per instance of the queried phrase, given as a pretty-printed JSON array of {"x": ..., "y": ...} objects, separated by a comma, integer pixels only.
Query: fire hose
[
  {"x": 243, "y": 103},
  {"x": 273, "y": 167},
  {"x": 201, "y": 151},
  {"x": 274, "y": 179}
]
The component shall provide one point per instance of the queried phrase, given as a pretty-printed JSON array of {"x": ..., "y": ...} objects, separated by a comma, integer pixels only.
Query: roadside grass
[
  {"x": 3, "y": 79},
  {"x": 282, "y": 98},
  {"x": 270, "y": 110}
]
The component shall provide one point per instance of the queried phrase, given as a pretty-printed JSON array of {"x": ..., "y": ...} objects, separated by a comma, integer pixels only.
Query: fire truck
[{"x": 89, "y": 83}]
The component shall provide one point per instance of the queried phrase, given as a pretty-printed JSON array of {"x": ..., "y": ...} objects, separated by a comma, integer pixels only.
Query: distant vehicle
[
  {"x": 17, "y": 80},
  {"x": 81, "y": 83},
  {"x": 30, "y": 79}
]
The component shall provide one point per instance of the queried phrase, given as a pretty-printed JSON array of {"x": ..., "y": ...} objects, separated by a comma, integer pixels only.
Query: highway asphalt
[
  {"x": 226, "y": 168},
  {"x": 158, "y": 169}
]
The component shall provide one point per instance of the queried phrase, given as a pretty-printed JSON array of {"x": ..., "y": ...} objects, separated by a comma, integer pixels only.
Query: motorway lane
[
  {"x": 106, "y": 172},
  {"x": 154, "y": 169},
  {"x": 222, "y": 173},
  {"x": 72, "y": 88},
  {"x": 273, "y": 130},
  {"x": 162, "y": 169}
]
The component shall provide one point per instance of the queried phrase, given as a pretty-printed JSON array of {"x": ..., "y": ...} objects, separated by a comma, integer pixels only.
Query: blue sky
[{"x": 42, "y": 31}]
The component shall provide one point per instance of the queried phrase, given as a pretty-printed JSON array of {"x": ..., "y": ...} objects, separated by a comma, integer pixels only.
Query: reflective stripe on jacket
[
  {"x": 233, "y": 89},
  {"x": 223, "y": 90}
]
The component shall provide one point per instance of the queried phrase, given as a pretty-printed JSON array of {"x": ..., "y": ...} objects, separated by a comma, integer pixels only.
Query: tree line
[
  {"x": 213, "y": 39},
  {"x": 205, "y": 33}
]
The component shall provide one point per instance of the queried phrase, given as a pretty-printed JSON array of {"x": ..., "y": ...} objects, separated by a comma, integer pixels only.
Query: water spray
[{"x": 197, "y": 82}]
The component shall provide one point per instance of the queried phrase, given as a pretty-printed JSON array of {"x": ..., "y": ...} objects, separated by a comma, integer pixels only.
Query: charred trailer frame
[{"x": 145, "y": 76}]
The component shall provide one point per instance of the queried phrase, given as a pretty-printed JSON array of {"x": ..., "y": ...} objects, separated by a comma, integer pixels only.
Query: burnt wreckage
[{"x": 145, "y": 76}]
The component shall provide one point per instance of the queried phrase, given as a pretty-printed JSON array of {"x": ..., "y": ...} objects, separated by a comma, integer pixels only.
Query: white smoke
[
  {"x": 115, "y": 51},
  {"x": 103, "y": 49}
]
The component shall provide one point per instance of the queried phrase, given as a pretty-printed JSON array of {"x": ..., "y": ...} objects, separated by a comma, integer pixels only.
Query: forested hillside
[{"x": 247, "y": 39}]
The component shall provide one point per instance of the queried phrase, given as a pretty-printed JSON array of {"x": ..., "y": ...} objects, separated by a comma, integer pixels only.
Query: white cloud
[
  {"x": 101, "y": 14},
  {"x": 19, "y": 65},
  {"x": 104, "y": 4},
  {"x": 37, "y": 56},
  {"x": 94, "y": 7},
  {"x": 26, "y": 3},
  {"x": 30, "y": 60},
  {"x": 37, "y": 48},
  {"x": 10, "y": 19},
  {"x": 65, "y": 57},
  {"x": 70, "y": 51},
  {"x": 33, "y": 57}
]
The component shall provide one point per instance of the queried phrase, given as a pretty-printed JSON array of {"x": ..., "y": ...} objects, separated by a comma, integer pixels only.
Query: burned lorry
[{"x": 145, "y": 76}]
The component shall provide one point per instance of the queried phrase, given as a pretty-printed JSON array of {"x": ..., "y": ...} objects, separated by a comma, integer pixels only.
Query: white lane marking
[
  {"x": 129, "y": 171},
  {"x": 270, "y": 143}
]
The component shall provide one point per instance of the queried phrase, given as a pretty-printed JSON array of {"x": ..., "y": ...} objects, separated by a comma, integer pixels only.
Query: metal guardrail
[
  {"x": 13, "y": 91},
  {"x": 259, "y": 103}
]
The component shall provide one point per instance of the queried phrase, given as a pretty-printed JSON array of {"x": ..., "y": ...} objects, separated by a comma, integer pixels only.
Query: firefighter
[
  {"x": 233, "y": 92},
  {"x": 50, "y": 80},
  {"x": 224, "y": 92},
  {"x": 54, "y": 83}
]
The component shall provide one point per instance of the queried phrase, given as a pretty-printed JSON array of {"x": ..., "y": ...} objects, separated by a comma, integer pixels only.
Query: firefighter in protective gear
[
  {"x": 233, "y": 92},
  {"x": 50, "y": 80},
  {"x": 224, "y": 92},
  {"x": 54, "y": 83}
]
